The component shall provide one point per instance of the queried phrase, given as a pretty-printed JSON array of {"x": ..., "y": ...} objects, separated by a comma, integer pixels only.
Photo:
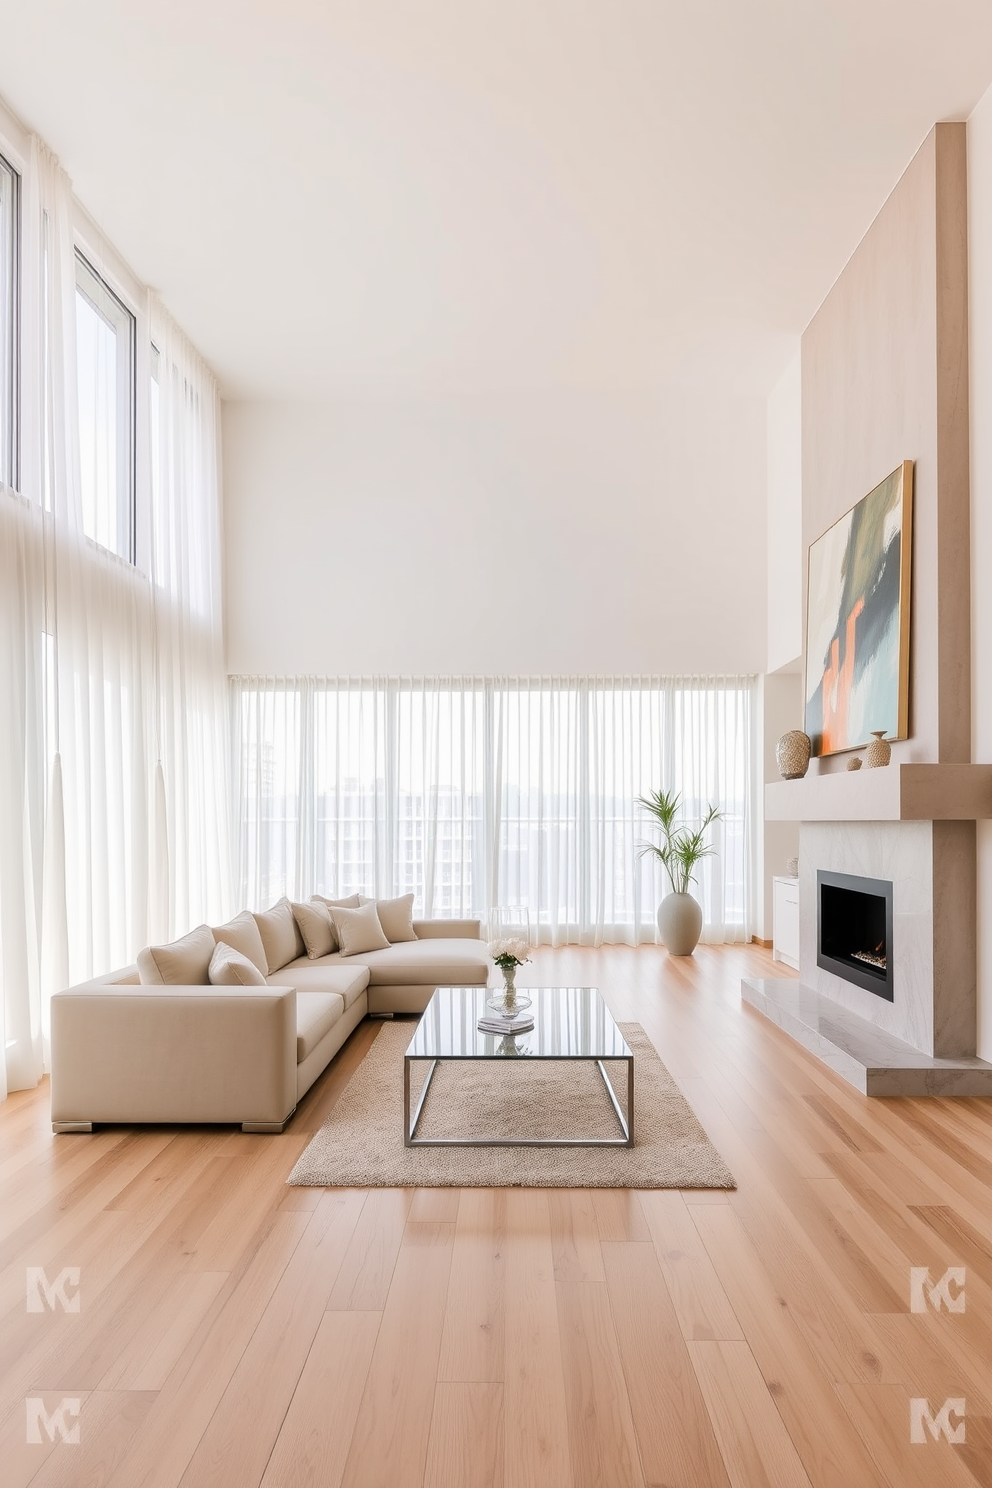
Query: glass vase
[{"x": 506, "y": 1000}]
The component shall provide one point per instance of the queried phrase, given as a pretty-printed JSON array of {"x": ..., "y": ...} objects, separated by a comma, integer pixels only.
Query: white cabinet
[{"x": 785, "y": 921}]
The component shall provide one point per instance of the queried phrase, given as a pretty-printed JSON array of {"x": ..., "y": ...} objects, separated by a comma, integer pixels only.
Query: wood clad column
[
  {"x": 885, "y": 379},
  {"x": 953, "y": 452}
]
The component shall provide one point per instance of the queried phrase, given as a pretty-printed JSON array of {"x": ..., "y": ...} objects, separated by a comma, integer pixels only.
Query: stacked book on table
[{"x": 497, "y": 1023}]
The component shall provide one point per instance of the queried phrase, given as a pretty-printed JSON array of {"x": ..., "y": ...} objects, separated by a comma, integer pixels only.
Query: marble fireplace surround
[
  {"x": 931, "y": 865},
  {"x": 920, "y": 836}
]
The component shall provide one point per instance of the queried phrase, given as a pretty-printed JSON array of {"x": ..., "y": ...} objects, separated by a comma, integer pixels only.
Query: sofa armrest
[
  {"x": 448, "y": 929},
  {"x": 174, "y": 1054}
]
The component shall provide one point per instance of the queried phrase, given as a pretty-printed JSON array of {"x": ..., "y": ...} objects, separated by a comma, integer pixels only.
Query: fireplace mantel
[{"x": 896, "y": 792}]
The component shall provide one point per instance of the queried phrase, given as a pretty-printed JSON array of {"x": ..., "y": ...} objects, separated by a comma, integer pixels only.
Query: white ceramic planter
[{"x": 680, "y": 923}]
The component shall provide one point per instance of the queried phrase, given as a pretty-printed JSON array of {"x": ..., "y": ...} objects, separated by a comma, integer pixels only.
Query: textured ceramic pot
[
  {"x": 879, "y": 750},
  {"x": 680, "y": 923},
  {"x": 855, "y": 763},
  {"x": 792, "y": 754}
]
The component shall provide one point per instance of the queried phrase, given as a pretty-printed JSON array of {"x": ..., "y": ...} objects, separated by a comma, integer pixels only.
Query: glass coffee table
[{"x": 570, "y": 1023}]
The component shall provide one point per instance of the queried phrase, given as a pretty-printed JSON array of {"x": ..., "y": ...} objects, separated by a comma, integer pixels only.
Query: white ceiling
[{"x": 389, "y": 198}]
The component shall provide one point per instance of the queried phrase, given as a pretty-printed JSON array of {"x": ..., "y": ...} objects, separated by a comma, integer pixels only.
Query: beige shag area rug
[{"x": 360, "y": 1145}]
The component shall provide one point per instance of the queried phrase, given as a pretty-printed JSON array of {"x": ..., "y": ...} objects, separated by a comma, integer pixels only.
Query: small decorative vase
[
  {"x": 509, "y": 984},
  {"x": 792, "y": 754},
  {"x": 792, "y": 867},
  {"x": 879, "y": 750},
  {"x": 855, "y": 763},
  {"x": 680, "y": 923}
]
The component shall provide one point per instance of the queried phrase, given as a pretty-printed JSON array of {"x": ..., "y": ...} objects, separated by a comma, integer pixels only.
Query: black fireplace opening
[{"x": 854, "y": 930}]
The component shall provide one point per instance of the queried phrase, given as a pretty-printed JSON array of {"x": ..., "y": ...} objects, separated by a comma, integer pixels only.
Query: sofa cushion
[
  {"x": 228, "y": 968},
  {"x": 181, "y": 963},
  {"x": 447, "y": 929},
  {"x": 395, "y": 917},
  {"x": 352, "y": 902},
  {"x": 329, "y": 974},
  {"x": 358, "y": 930},
  {"x": 316, "y": 1014},
  {"x": 314, "y": 923},
  {"x": 280, "y": 935},
  {"x": 420, "y": 963},
  {"x": 242, "y": 934}
]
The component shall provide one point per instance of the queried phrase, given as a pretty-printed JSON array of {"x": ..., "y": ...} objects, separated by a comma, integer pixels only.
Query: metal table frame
[{"x": 411, "y": 1122}]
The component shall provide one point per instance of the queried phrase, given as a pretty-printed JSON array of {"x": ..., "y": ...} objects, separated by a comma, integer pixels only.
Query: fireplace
[{"x": 854, "y": 930}]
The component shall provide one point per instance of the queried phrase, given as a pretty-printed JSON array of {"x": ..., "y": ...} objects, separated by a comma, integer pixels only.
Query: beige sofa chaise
[{"x": 127, "y": 1052}]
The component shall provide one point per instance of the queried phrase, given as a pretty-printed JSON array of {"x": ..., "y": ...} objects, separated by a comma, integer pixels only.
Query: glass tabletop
[{"x": 569, "y": 1023}]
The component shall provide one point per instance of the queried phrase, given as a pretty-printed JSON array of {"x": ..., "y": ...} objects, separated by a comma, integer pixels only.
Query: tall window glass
[
  {"x": 105, "y": 338},
  {"x": 9, "y": 184}
]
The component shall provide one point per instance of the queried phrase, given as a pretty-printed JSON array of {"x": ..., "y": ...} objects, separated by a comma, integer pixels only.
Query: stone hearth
[{"x": 872, "y": 1061}]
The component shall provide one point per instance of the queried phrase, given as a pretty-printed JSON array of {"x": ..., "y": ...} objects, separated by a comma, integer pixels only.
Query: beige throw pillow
[
  {"x": 242, "y": 934},
  {"x": 358, "y": 930},
  {"x": 280, "y": 936},
  {"x": 314, "y": 922},
  {"x": 395, "y": 917},
  {"x": 228, "y": 968},
  {"x": 352, "y": 902},
  {"x": 181, "y": 963}
]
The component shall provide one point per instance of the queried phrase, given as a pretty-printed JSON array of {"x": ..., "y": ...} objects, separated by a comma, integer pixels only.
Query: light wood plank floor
[{"x": 234, "y": 1332}]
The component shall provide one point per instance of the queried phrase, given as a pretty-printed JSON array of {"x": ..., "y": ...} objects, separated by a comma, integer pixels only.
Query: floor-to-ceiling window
[
  {"x": 113, "y": 730},
  {"x": 473, "y": 793}
]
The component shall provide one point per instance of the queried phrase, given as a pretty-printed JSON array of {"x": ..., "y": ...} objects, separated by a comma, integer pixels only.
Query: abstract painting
[{"x": 857, "y": 620}]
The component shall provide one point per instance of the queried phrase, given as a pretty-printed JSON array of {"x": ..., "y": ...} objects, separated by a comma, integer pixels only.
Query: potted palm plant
[{"x": 680, "y": 919}]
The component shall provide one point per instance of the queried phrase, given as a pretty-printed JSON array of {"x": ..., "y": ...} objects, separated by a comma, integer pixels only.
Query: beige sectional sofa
[{"x": 126, "y": 1051}]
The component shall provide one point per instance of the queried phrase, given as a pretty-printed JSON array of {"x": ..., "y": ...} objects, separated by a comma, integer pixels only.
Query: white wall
[
  {"x": 577, "y": 534},
  {"x": 980, "y": 332},
  {"x": 781, "y": 709},
  {"x": 785, "y": 518},
  {"x": 782, "y": 699}
]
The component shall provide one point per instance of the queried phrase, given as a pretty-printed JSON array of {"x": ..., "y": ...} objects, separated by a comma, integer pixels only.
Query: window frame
[
  {"x": 10, "y": 339},
  {"x": 127, "y": 437}
]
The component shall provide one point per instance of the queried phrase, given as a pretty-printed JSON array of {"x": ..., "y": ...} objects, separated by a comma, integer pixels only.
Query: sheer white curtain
[
  {"x": 191, "y": 837},
  {"x": 472, "y": 793},
  {"x": 113, "y": 766}
]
